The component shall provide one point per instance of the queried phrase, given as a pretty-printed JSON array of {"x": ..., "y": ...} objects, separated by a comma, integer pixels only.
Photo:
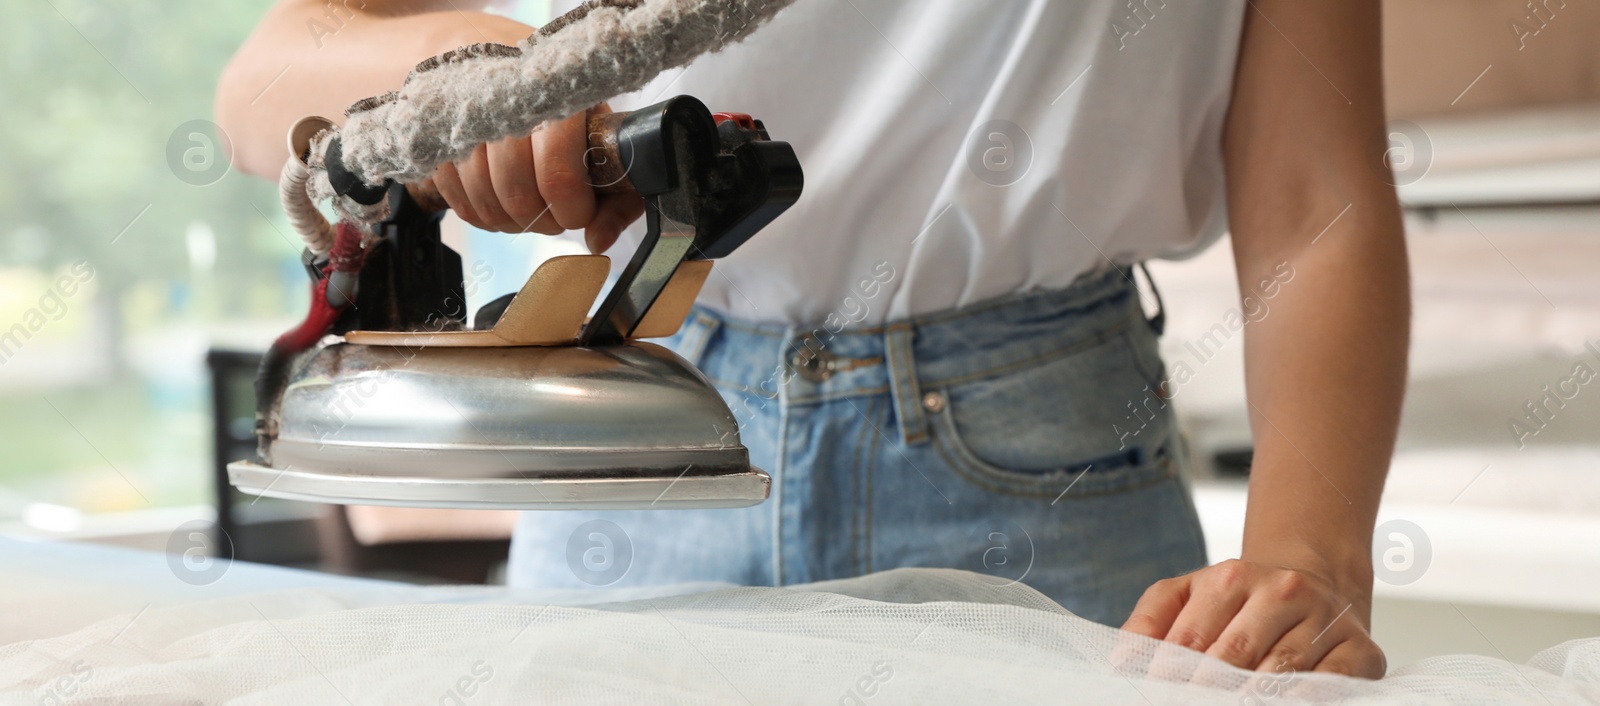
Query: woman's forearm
[
  {"x": 1325, "y": 370},
  {"x": 1325, "y": 374},
  {"x": 316, "y": 57}
]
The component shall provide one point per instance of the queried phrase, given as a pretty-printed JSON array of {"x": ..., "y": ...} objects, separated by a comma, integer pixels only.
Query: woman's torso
[{"x": 956, "y": 150}]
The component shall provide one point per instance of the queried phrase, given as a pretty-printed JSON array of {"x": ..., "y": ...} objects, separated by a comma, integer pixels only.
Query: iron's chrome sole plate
[{"x": 578, "y": 491}]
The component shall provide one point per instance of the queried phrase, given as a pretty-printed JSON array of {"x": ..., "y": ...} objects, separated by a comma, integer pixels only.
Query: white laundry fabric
[
  {"x": 975, "y": 148},
  {"x": 911, "y": 636}
]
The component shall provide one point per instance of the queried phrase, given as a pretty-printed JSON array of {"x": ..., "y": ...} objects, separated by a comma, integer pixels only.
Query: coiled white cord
[{"x": 302, "y": 213}]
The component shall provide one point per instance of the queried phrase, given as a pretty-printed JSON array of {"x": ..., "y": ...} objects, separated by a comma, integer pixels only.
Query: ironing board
[{"x": 910, "y": 636}]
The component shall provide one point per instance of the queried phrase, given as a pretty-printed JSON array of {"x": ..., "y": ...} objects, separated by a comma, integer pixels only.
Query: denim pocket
[{"x": 1088, "y": 419}]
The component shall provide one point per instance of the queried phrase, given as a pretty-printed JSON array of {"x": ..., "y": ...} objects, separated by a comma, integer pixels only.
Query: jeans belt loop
[
  {"x": 1158, "y": 323},
  {"x": 900, "y": 357},
  {"x": 697, "y": 333}
]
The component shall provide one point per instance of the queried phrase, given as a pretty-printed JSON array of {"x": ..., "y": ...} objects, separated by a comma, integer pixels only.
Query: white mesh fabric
[{"x": 903, "y": 637}]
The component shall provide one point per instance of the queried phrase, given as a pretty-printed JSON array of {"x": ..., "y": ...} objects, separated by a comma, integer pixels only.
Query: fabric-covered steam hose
[{"x": 451, "y": 103}]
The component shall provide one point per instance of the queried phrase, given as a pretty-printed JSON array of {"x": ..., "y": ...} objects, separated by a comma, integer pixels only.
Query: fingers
[
  {"x": 562, "y": 174},
  {"x": 613, "y": 213},
  {"x": 1258, "y": 617},
  {"x": 1215, "y": 598},
  {"x": 1298, "y": 650},
  {"x": 1302, "y": 647},
  {"x": 479, "y": 180},
  {"x": 482, "y": 200},
  {"x": 538, "y": 183},
  {"x": 1159, "y": 607},
  {"x": 511, "y": 173},
  {"x": 1260, "y": 624},
  {"x": 447, "y": 179},
  {"x": 1356, "y": 657}
]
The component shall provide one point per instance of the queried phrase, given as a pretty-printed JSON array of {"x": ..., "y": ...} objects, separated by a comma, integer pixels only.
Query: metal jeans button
[
  {"x": 813, "y": 363},
  {"x": 933, "y": 402}
]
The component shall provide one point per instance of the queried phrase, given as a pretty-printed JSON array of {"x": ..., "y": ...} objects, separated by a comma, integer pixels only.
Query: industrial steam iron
[{"x": 385, "y": 396}]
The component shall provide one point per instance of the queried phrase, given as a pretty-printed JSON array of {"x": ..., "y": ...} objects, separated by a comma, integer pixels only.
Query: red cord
[
  {"x": 346, "y": 256},
  {"x": 319, "y": 321}
]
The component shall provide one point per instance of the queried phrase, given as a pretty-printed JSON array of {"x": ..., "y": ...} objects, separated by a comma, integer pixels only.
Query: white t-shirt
[{"x": 959, "y": 150}]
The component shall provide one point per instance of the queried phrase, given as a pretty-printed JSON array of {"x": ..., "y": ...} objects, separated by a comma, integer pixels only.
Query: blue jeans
[{"x": 1020, "y": 437}]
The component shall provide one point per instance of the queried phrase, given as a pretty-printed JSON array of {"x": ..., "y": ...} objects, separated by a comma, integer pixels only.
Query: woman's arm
[
  {"x": 316, "y": 57},
  {"x": 1325, "y": 371}
]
